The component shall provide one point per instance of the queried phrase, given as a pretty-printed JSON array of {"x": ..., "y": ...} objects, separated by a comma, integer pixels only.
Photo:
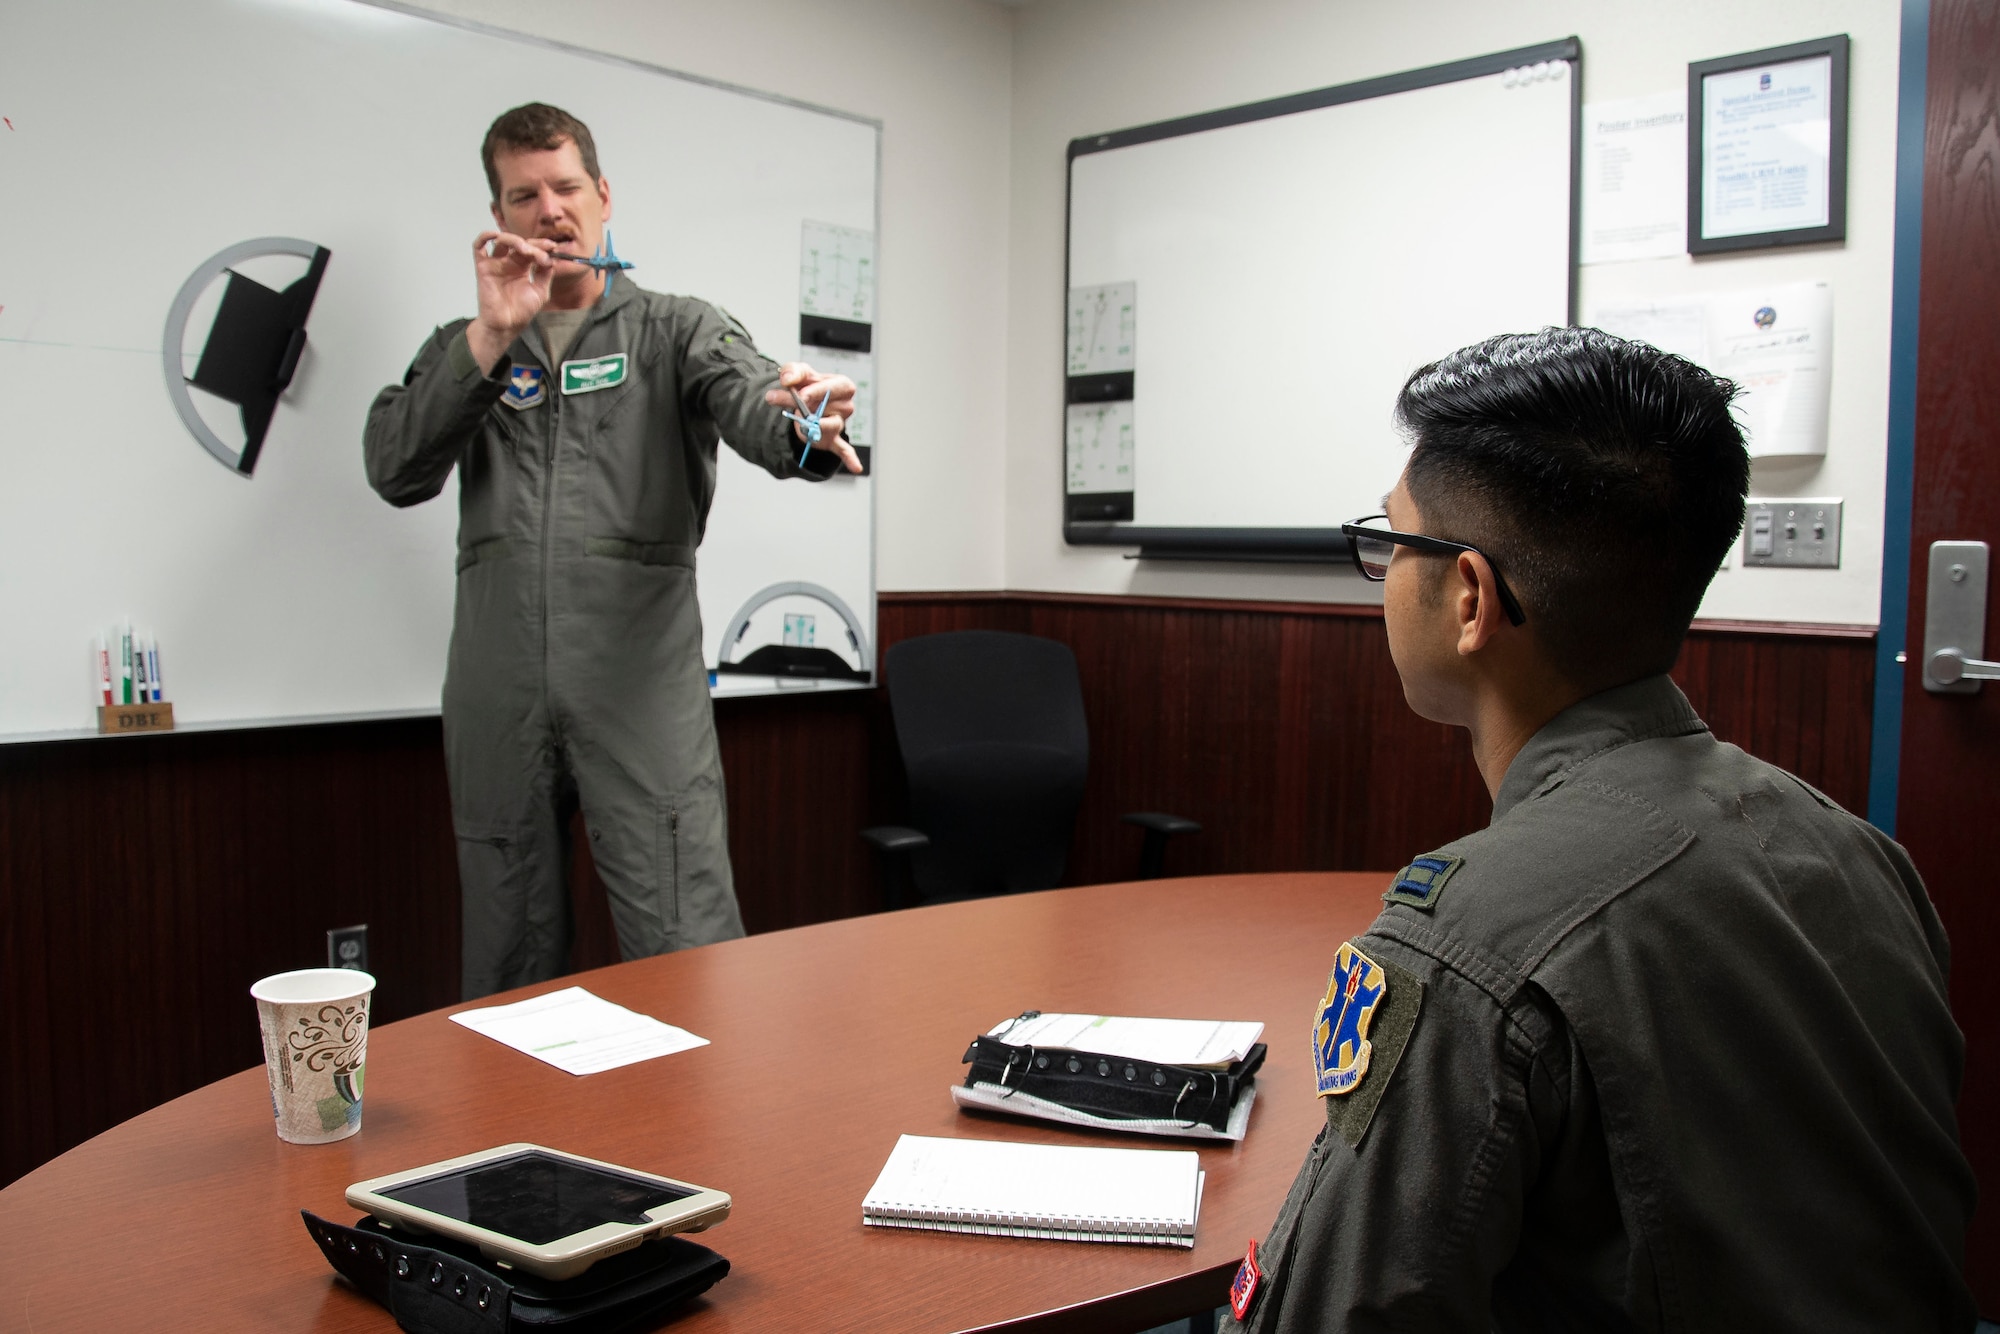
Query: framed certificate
[{"x": 1767, "y": 148}]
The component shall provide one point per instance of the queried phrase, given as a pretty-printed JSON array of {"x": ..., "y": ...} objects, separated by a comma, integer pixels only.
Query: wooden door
[{"x": 1948, "y": 794}]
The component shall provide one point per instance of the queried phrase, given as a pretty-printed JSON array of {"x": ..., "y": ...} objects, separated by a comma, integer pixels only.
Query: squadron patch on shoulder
[
  {"x": 1360, "y": 1030},
  {"x": 1420, "y": 883},
  {"x": 1340, "y": 1032},
  {"x": 524, "y": 388}
]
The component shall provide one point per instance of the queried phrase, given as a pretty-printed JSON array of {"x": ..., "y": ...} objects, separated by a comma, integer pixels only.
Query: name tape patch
[{"x": 584, "y": 377}]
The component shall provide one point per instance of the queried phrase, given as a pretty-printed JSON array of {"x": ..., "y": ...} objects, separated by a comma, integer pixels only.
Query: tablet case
[
  {"x": 447, "y": 1287},
  {"x": 1113, "y": 1086}
]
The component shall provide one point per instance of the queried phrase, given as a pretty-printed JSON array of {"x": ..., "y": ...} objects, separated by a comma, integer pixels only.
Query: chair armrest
[
  {"x": 1155, "y": 822},
  {"x": 896, "y": 838}
]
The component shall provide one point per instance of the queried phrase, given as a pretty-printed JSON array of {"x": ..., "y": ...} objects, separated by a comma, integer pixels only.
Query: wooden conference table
[{"x": 827, "y": 1042}]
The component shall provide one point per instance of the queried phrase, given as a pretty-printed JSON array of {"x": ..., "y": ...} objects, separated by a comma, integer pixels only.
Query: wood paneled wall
[
  {"x": 146, "y": 882},
  {"x": 1282, "y": 728}
]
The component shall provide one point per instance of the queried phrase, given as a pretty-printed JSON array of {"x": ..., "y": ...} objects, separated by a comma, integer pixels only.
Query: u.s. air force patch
[{"x": 1360, "y": 1028}]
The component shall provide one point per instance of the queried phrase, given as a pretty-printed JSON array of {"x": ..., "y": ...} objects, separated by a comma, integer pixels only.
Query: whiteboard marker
[
  {"x": 141, "y": 691},
  {"x": 125, "y": 664},
  {"x": 153, "y": 668},
  {"x": 103, "y": 671}
]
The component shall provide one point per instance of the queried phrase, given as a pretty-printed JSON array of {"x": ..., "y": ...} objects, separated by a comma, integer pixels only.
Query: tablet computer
[{"x": 550, "y": 1213}]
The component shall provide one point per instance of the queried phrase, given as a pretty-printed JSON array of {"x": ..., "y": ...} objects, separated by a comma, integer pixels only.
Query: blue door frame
[{"x": 1885, "y": 747}]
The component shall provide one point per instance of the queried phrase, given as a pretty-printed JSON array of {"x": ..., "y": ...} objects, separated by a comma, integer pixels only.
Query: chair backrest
[{"x": 993, "y": 739}]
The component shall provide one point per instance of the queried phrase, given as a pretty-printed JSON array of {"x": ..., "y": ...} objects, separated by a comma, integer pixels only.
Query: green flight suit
[
  {"x": 1666, "y": 1047},
  {"x": 575, "y": 674}
]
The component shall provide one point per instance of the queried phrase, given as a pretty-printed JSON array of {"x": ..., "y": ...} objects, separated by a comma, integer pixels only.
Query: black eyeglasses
[{"x": 1374, "y": 546}]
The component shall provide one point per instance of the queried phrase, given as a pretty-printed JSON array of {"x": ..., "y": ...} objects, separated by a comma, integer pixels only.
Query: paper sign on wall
[
  {"x": 837, "y": 272},
  {"x": 1103, "y": 328},
  {"x": 1635, "y": 157},
  {"x": 1776, "y": 342},
  {"x": 1099, "y": 448}
]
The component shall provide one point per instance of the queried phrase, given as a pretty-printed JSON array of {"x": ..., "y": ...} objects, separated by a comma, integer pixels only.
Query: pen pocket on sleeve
[
  {"x": 698, "y": 896},
  {"x": 667, "y": 864}
]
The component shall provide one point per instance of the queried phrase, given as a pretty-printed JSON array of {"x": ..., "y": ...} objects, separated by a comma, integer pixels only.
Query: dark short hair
[
  {"x": 537, "y": 125},
  {"x": 1606, "y": 479}
]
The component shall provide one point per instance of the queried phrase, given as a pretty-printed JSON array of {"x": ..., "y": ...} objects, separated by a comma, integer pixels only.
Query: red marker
[{"x": 103, "y": 671}]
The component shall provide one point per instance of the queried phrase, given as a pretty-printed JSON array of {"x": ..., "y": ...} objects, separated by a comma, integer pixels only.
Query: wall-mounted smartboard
[
  {"x": 160, "y": 136},
  {"x": 1248, "y": 290}
]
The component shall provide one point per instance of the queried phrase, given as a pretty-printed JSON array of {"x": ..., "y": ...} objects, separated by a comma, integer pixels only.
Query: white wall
[
  {"x": 1085, "y": 66},
  {"x": 979, "y": 102},
  {"x": 936, "y": 74}
]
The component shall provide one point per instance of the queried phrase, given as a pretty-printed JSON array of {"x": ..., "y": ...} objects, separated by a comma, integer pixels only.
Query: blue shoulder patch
[{"x": 1420, "y": 883}]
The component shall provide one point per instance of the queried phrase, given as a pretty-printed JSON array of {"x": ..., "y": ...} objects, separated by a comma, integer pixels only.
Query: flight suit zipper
[{"x": 548, "y": 510}]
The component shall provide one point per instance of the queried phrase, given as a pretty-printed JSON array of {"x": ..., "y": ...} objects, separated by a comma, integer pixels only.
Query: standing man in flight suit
[
  {"x": 1666, "y": 1046},
  {"x": 583, "y": 416}
]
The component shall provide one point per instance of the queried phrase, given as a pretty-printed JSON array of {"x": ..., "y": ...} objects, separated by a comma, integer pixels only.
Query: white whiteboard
[
  {"x": 1290, "y": 271},
  {"x": 155, "y": 135}
]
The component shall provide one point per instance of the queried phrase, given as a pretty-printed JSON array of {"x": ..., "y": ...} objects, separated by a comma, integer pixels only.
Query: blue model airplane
[
  {"x": 605, "y": 261},
  {"x": 811, "y": 423}
]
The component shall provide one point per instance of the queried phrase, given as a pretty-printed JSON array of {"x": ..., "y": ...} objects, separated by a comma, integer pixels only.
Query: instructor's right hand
[{"x": 513, "y": 283}]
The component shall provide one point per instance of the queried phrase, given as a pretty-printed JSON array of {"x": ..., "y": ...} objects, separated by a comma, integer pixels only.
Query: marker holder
[{"x": 123, "y": 719}]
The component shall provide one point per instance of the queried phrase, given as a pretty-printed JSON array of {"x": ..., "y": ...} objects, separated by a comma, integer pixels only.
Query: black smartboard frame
[{"x": 1286, "y": 545}]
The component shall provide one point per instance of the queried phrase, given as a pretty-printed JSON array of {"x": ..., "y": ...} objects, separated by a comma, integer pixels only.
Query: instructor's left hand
[{"x": 810, "y": 385}]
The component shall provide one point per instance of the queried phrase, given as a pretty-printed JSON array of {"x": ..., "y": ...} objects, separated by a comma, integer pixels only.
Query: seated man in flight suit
[{"x": 1666, "y": 1046}]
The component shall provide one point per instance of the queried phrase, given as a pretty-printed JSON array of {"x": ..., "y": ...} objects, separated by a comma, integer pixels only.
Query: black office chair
[{"x": 994, "y": 743}]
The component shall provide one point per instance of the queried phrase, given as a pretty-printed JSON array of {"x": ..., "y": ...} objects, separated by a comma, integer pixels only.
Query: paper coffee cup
[{"x": 315, "y": 1024}]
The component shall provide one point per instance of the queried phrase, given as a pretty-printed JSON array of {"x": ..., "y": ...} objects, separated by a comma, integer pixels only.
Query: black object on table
[{"x": 444, "y": 1286}]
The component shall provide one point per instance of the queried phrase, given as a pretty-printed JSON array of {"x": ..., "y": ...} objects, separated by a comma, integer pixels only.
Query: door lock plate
[{"x": 1955, "y": 614}]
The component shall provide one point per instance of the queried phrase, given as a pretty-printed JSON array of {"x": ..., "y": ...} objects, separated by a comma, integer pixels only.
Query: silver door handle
[
  {"x": 1955, "y": 620},
  {"x": 1948, "y": 666}
]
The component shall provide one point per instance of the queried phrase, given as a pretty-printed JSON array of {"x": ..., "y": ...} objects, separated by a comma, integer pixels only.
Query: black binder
[{"x": 1114, "y": 1087}]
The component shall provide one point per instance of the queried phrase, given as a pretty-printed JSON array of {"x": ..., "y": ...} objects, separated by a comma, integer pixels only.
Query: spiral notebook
[{"x": 1147, "y": 1197}]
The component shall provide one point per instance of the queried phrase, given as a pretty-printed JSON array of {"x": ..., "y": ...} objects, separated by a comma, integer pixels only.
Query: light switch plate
[{"x": 1798, "y": 533}]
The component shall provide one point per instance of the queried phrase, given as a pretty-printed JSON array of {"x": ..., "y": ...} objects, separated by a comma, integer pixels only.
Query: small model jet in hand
[
  {"x": 605, "y": 261},
  {"x": 811, "y": 422}
]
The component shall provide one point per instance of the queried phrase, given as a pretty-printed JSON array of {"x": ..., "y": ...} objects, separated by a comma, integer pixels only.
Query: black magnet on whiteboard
[
  {"x": 1098, "y": 507},
  {"x": 1111, "y": 387},
  {"x": 825, "y": 331},
  {"x": 253, "y": 348}
]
